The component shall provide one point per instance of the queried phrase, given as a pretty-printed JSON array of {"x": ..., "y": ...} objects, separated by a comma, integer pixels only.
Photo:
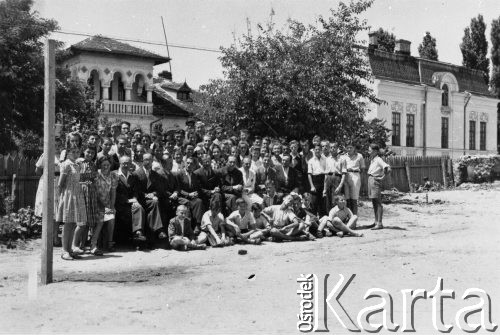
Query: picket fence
[
  {"x": 406, "y": 171},
  {"x": 18, "y": 174}
]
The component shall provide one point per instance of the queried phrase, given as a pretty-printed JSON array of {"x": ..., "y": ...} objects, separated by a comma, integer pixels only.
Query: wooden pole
[{"x": 48, "y": 162}]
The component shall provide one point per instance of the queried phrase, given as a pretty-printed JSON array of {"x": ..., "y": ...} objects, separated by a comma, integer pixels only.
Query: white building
[
  {"x": 122, "y": 76},
  {"x": 433, "y": 108}
]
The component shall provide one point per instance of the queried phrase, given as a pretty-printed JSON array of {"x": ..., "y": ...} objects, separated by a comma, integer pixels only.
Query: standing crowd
[{"x": 199, "y": 187}]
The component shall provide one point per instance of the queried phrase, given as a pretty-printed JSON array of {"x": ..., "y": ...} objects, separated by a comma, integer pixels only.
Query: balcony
[{"x": 127, "y": 107}]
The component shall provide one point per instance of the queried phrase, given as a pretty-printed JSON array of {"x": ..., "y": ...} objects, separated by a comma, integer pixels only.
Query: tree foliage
[
  {"x": 474, "y": 47},
  {"x": 295, "y": 82},
  {"x": 427, "y": 49},
  {"x": 495, "y": 56},
  {"x": 386, "y": 40},
  {"x": 22, "y": 78}
]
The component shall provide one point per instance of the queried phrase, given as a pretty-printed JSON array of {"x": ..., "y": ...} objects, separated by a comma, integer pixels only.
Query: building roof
[
  {"x": 106, "y": 45},
  {"x": 405, "y": 69},
  {"x": 164, "y": 104},
  {"x": 173, "y": 86}
]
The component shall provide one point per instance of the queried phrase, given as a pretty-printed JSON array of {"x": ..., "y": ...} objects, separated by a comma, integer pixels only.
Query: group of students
[{"x": 199, "y": 187}]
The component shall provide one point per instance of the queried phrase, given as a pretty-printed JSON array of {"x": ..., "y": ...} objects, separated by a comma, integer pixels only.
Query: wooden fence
[
  {"x": 408, "y": 171},
  {"x": 25, "y": 181}
]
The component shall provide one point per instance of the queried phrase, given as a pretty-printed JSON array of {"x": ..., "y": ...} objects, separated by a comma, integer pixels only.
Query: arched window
[{"x": 444, "y": 96}]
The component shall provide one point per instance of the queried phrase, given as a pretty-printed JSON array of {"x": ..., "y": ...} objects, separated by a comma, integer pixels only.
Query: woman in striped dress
[{"x": 88, "y": 176}]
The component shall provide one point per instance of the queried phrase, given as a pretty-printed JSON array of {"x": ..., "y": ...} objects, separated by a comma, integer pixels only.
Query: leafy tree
[
  {"x": 495, "y": 56},
  {"x": 474, "y": 47},
  {"x": 427, "y": 49},
  {"x": 386, "y": 40},
  {"x": 295, "y": 82},
  {"x": 22, "y": 79}
]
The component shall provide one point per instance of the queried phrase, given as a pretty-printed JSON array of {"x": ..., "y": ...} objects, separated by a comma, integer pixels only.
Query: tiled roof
[
  {"x": 108, "y": 45},
  {"x": 404, "y": 68},
  {"x": 164, "y": 104},
  {"x": 178, "y": 87}
]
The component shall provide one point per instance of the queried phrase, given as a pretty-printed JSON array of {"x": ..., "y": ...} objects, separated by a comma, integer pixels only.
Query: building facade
[
  {"x": 432, "y": 108},
  {"x": 122, "y": 78}
]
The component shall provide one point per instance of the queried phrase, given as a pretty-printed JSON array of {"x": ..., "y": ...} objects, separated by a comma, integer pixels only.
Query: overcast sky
[{"x": 212, "y": 23}]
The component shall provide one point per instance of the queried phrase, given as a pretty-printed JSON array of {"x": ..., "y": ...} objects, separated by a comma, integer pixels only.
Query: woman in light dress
[{"x": 41, "y": 187}]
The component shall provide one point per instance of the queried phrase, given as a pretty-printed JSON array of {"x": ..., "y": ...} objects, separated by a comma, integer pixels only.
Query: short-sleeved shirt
[
  {"x": 243, "y": 222},
  {"x": 316, "y": 166},
  {"x": 216, "y": 222},
  {"x": 377, "y": 166},
  {"x": 335, "y": 165},
  {"x": 281, "y": 217},
  {"x": 354, "y": 163},
  {"x": 344, "y": 214}
]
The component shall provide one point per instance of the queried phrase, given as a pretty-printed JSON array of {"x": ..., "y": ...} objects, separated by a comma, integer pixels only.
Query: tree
[
  {"x": 22, "y": 78},
  {"x": 495, "y": 56},
  {"x": 386, "y": 40},
  {"x": 427, "y": 49},
  {"x": 474, "y": 47},
  {"x": 295, "y": 82}
]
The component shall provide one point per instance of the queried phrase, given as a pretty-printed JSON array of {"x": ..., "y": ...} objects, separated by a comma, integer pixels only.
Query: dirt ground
[{"x": 213, "y": 292}]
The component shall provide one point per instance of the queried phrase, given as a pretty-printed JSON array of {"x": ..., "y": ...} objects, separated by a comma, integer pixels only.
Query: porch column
[
  {"x": 105, "y": 92},
  {"x": 149, "y": 97},
  {"x": 128, "y": 94}
]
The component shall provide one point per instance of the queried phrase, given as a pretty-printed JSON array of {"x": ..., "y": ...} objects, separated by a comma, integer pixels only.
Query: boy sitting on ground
[
  {"x": 340, "y": 220},
  {"x": 240, "y": 224},
  {"x": 212, "y": 226},
  {"x": 262, "y": 223},
  {"x": 181, "y": 235}
]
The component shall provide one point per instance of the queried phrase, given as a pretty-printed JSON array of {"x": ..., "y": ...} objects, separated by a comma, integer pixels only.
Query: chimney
[
  {"x": 402, "y": 47},
  {"x": 373, "y": 40}
]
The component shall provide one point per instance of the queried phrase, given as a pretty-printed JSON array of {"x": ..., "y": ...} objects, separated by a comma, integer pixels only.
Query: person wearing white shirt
[
  {"x": 249, "y": 194},
  {"x": 376, "y": 173},
  {"x": 316, "y": 167},
  {"x": 334, "y": 176}
]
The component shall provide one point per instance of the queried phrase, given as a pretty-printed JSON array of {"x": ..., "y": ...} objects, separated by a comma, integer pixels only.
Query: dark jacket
[
  {"x": 209, "y": 179},
  {"x": 230, "y": 179},
  {"x": 175, "y": 229}
]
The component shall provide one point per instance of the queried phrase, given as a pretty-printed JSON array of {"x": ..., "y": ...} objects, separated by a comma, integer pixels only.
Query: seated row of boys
[{"x": 289, "y": 221}]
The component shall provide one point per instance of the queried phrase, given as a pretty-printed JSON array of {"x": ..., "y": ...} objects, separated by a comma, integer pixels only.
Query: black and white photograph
[{"x": 249, "y": 166}]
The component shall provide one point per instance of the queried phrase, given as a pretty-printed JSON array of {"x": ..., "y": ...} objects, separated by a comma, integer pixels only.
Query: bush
[
  {"x": 21, "y": 225},
  {"x": 483, "y": 168}
]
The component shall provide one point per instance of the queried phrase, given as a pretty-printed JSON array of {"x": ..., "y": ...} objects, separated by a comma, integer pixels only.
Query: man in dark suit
[
  {"x": 169, "y": 200},
  {"x": 288, "y": 177},
  {"x": 189, "y": 193},
  {"x": 149, "y": 192},
  {"x": 271, "y": 197},
  {"x": 210, "y": 181},
  {"x": 232, "y": 184},
  {"x": 264, "y": 173},
  {"x": 129, "y": 212}
]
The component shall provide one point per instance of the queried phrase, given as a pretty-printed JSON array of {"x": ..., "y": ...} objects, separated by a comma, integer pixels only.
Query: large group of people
[{"x": 199, "y": 187}]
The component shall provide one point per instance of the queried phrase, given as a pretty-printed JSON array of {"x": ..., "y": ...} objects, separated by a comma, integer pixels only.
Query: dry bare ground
[{"x": 210, "y": 291}]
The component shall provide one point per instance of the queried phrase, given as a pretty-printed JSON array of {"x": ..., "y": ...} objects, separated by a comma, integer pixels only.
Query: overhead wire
[{"x": 173, "y": 45}]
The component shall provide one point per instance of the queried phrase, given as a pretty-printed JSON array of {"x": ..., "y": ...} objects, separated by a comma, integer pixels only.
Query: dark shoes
[{"x": 138, "y": 236}]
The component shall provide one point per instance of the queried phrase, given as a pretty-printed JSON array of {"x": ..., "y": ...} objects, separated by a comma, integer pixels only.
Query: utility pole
[{"x": 48, "y": 162}]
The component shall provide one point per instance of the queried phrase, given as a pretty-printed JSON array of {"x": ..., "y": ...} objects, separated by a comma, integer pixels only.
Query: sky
[{"x": 214, "y": 23}]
